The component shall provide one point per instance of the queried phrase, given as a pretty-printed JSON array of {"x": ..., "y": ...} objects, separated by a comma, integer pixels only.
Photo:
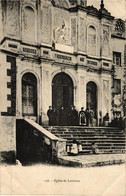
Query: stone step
[
  {"x": 89, "y": 136},
  {"x": 108, "y": 139},
  {"x": 101, "y": 143},
  {"x": 93, "y": 137},
  {"x": 86, "y": 133}
]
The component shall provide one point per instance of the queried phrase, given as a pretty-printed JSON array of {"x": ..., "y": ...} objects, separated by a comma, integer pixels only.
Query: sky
[{"x": 116, "y": 7}]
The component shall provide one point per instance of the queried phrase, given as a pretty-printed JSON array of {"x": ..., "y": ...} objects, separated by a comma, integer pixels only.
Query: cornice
[{"x": 117, "y": 37}]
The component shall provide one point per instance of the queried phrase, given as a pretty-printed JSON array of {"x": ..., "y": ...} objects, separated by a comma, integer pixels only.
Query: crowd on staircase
[{"x": 71, "y": 117}]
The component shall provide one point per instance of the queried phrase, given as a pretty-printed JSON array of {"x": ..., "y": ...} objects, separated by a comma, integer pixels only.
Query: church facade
[{"x": 58, "y": 53}]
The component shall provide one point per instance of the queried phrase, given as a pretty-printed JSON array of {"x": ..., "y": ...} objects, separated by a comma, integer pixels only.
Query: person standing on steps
[
  {"x": 73, "y": 116},
  {"x": 88, "y": 117},
  {"x": 106, "y": 120},
  {"x": 91, "y": 118},
  {"x": 54, "y": 117},
  {"x": 62, "y": 116},
  {"x": 50, "y": 115},
  {"x": 82, "y": 117}
]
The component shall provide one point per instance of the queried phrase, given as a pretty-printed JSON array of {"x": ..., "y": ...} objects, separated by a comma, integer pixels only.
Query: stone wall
[
  {"x": 8, "y": 87},
  {"x": 7, "y": 139}
]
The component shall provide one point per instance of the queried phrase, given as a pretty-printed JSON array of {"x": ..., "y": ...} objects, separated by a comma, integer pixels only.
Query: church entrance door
[{"x": 62, "y": 91}]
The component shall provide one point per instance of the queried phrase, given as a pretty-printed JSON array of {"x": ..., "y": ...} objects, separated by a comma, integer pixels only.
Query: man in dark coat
[
  {"x": 74, "y": 116},
  {"x": 62, "y": 115},
  {"x": 50, "y": 115},
  {"x": 54, "y": 116},
  {"x": 82, "y": 117},
  {"x": 88, "y": 117}
]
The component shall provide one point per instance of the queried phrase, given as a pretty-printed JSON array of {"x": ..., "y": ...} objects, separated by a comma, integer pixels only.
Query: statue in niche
[
  {"x": 105, "y": 36},
  {"x": 61, "y": 34}
]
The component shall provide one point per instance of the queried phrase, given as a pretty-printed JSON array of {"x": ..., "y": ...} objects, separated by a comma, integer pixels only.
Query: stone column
[
  {"x": 18, "y": 89},
  {"x": 81, "y": 90},
  {"x": 46, "y": 91}
]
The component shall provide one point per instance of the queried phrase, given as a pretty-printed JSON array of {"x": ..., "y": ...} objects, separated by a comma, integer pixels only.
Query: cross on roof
[{"x": 102, "y": 4}]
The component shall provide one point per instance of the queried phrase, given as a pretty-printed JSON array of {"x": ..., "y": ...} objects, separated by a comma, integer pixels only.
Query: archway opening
[
  {"x": 62, "y": 91},
  {"x": 29, "y": 95},
  {"x": 92, "y": 97}
]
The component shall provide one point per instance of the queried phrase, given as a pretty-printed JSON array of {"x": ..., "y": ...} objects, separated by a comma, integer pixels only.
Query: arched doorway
[
  {"x": 62, "y": 91},
  {"x": 92, "y": 97},
  {"x": 29, "y": 95}
]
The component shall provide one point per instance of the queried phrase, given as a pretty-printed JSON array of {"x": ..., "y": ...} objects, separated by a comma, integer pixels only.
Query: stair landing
[{"x": 92, "y": 160}]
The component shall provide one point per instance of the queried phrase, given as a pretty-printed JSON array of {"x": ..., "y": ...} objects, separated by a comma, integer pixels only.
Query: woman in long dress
[{"x": 82, "y": 117}]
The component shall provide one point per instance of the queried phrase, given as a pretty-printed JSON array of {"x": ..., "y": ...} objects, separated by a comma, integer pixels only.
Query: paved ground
[
  {"x": 93, "y": 160},
  {"x": 58, "y": 180}
]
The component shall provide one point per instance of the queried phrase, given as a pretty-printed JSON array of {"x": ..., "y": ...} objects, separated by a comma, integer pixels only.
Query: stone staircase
[{"x": 108, "y": 139}]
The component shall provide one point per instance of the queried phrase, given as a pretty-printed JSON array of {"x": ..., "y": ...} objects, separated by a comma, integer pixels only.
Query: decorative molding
[{"x": 74, "y": 32}]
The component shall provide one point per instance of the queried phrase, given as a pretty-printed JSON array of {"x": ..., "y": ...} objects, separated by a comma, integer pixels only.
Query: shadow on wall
[{"x": 31, "y": 146}]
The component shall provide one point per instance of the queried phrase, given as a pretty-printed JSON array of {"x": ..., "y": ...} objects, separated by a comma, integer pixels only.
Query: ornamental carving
[
  {"x": 82, "y": 35},
  {"x": 73, "y": 32},
  {"x": 120, "y": 27},
  {"x": 117, "y": 100},
  {"x": 46, "y": 27},
  {"x": 61, "y": 34},
  {"x": 105, "y": 47}
]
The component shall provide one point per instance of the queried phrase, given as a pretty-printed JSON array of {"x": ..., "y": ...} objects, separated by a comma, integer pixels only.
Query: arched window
[
  {"x": 91, "y": 40},
  {"x": 29, "y": 95},
  {"x": 28, "y": 24}
]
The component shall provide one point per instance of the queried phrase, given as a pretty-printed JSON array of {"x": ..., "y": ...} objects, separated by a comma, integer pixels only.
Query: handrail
[{"x": 43, "y": 131}]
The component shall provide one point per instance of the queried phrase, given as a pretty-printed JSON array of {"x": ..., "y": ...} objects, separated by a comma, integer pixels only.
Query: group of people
[
  {"x": 117, "y": 121},
  {"x": 70, "y": 117},
  {"x": 76, "y": 148}
]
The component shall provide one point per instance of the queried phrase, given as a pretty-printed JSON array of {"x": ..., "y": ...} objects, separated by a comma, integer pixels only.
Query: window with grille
[
  {"x": 29, "y": 95},
  {"x": 117, "y": 58}
]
